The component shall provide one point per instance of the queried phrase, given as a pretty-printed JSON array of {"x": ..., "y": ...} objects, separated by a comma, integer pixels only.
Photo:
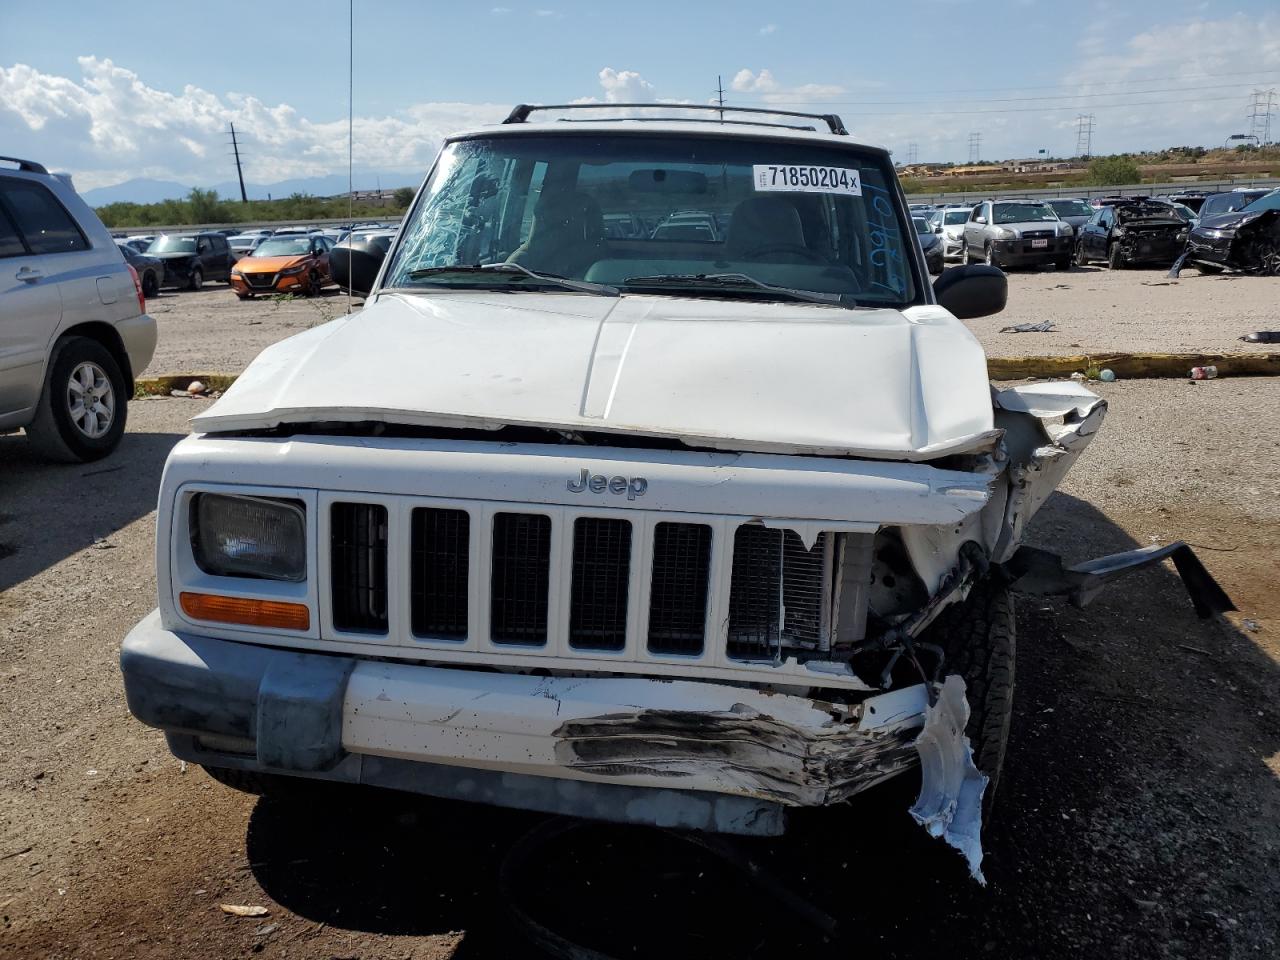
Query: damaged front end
[{"x": 1248, "y": 242}]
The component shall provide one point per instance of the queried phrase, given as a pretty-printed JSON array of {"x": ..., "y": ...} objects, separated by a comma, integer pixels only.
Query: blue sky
[{"x": 109, "y": 96}]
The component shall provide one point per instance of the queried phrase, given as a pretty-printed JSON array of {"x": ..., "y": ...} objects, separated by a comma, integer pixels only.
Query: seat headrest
[{"x": 763, "y": 222}]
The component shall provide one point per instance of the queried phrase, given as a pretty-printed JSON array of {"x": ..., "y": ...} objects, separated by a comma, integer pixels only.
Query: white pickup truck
[{"x": 676, "y": 527}]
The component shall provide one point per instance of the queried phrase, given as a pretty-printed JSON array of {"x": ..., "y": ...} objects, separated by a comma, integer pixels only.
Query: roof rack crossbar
[
  {"x": 26, "y": 166},
  {"x": 741, "y": 123},
  {"x": 520, "y": 114}
]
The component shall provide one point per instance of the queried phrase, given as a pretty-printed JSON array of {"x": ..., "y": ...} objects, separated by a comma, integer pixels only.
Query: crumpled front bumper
[{"x": 669, "y": 753}]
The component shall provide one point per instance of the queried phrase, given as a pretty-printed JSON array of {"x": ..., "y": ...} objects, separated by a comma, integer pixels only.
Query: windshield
[
  {"x": 173, "y": 245},
  {"x": 1022, "y": 213},
  {"x": 1071, "y": 208},
  {"x": 952, "y": 217},
  {"x": 1269, "y": 202},
  {"x": 1127, "y": 213},
  {"x": 672, "y": 210},
  {"x": 283, "y": 247}
]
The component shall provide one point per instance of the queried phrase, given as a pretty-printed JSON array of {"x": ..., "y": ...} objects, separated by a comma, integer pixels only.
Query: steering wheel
[{"x": 801, "y": 251}]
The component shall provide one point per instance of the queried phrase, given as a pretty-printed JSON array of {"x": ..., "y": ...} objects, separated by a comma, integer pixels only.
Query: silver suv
[
  {"x": 1017, "y": 233},
  {"x": 73, "y": 323}
]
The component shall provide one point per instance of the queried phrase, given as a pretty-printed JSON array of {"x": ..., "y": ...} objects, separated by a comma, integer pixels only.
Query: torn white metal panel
[
  {"x": 790, "y": 378},
  {"x": 675, "y": 734},
  {"x": 951, "y": 788}
]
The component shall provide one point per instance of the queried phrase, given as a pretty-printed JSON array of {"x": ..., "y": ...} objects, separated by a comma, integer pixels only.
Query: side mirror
[
  {"x": 937, "y": 228},
  {"x": 972, "y": 291},
  {"x": 355, "y": 268}
]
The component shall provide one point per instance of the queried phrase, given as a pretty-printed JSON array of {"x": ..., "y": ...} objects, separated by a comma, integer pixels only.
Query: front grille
[
  {"x": 601, "y": 578},
  {"x": 358, "y": 561},
  {"x": 678, "y": 589},
  {"x": 777, "y": 594},
  {"x": 1036, "y": 234},
  {"x": 439, "y": 572},
  {"x": 520, "y": 577},
  {"x": 260, "y": 279}
]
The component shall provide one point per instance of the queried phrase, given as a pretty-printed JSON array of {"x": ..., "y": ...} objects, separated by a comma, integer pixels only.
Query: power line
[
  {"x": 1084, "y": 134},
  {"x": 1045, "y": 109},
  {"x": 975, "y": 147}
]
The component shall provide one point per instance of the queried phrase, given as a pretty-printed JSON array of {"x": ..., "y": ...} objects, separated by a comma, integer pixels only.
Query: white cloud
[
  {"x": 110, "y": 126},
  {"x": 623, "y": 86},
  {"x": 744, "y": 81},
  {"x": 500, "y": 11},
  {"x": 768, "y": 28}
]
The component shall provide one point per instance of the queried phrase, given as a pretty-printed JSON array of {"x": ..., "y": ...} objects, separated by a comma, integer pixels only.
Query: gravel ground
[
  {"x": 1139, "y": 815},
  {"x": 1096, "y": 311}
]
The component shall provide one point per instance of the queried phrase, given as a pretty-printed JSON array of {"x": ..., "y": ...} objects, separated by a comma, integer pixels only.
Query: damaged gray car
[
  {"x": 1246, "y": 240},
  {"x": 681, "y": 531}
]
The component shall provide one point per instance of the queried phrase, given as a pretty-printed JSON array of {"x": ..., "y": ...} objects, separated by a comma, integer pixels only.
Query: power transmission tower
[
  {"x": 720, "y": 95},
  {"x": 1084, "y": 134},
  {"x": 1261, "y": 106},
  {"x": 975, "y": 147},
  {"x": 235, "y": 145},
  {"x": 913, "y": 153}
]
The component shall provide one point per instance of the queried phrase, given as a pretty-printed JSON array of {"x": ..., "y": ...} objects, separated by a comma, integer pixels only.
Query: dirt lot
[
  {"x": 1139, "y": 816},
  {"x": 1095, "y": 310}
]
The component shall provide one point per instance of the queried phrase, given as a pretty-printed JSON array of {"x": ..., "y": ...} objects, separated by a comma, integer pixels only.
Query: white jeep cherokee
[{"x": 681, "y": 527}]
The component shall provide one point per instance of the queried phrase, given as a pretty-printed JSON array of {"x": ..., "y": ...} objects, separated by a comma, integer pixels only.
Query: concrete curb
[
  {"x": 1127, "y": 366},
  {"x": 1135, "y": 366}
]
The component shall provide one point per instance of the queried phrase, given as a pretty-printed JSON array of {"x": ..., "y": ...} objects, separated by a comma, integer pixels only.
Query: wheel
[
  {"x": 979, "y": 637},
  {"x": 313, "y": 284},
  {"x": 1207, "y": 268},
  {"x": 150, "y": 285},
  {"x": 1082, "y": 259},
  {"x": 989, "y": 256},
  {"x": 197, "y": 278},
  {"x": 1063, "y": 263},
  {"x": 964, "y": 254},
  {"x": 242, "y": 296},
  {"x": 83, "y": 406},
  {"x": 1114, "y": 260}
]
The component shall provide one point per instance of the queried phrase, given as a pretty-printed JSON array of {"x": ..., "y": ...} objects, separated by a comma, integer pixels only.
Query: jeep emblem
[{"x": 598, "y": 483}]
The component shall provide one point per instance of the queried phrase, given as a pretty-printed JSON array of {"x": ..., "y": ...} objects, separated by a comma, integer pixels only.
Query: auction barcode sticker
[{"x": 797, "y": 178}]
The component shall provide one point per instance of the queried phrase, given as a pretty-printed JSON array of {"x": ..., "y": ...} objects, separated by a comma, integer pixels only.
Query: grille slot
[
  {"x": 601, "y": 578},
  {"x": 520, "y": 576},
  {"x": 678, "y": 589},
  {"x": 358, "y": 562},
  {"x": 439, "y": 571},
  {"x": 778, "y": 593}
]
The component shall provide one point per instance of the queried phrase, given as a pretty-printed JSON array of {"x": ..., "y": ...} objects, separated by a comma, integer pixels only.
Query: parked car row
[{"x": 1121, "y": 231}]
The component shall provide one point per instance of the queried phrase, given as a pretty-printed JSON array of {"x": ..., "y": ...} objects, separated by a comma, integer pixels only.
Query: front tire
[
  {"x": 1208, "y": 268},
  {"x": 150, "y": 285},
  {"x": 1082, "y": 258},
  {"x": 979, "y": 637},
  {"x": 1062, "y": 264},
  {"x": 197, "y": 279},
  {"x": 989, "y": 256},
  {"x": 83, "y": 406},
  {"x": 270, "y": 785},
  {"x": 1115, "y": 260}
]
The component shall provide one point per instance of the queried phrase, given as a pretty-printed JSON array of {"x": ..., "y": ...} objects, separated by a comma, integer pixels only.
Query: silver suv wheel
[{"x": 91, "y": 400}]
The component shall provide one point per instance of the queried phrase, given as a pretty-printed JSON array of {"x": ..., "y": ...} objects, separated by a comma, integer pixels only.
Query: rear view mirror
[
  {"x": 667, "y": 181},
  {"x": 972, "y": 291}
]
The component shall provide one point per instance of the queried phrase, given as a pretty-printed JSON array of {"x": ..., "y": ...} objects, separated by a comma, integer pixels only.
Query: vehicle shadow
[
  {"x": 1136, "y": 818},
  {"x": 49, "y": 511}
]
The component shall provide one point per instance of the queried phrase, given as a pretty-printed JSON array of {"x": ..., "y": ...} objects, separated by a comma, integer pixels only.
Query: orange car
[{"x": 284, "y": 264}]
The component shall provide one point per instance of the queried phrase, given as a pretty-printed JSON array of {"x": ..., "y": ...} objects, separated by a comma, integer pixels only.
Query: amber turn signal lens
[{"x": 254, "y": 613}]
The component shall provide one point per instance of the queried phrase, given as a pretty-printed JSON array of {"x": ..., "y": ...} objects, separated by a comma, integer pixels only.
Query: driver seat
[
  {"x": 762, "y": 223},
  {"x": 566, "y": 236}
]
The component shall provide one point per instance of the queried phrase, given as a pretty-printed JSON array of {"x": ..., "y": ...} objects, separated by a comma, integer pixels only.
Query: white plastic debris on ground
[{"x": 950, "y": 801}]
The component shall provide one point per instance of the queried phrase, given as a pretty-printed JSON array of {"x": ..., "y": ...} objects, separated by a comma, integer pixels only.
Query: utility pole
[
  {"x": 244, "y": 197},
  {"x": 975, "y": 147},
  {"x": 1084, "y": 134},
  {"x": 1261, "y": 106},
  {"x": 720, "y": 95}
]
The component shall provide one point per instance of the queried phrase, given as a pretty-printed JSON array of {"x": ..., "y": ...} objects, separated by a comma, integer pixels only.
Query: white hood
[{"x": 713, "y": 373}]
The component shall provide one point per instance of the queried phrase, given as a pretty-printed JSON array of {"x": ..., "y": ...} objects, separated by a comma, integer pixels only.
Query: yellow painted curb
[
  {"x": 161, "y": 386},
  {"x": 1135, "y": 366}
]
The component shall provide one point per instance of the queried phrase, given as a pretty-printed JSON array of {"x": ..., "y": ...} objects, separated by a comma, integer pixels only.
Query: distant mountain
[
  {"x": 137, "y": 190},
  {"x": 142, "y": 190}
]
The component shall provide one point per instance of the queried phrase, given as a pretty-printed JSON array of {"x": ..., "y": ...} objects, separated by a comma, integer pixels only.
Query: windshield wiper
[
  {"x": 583, "y": 286},
  {"x": 727, "y": 280}
]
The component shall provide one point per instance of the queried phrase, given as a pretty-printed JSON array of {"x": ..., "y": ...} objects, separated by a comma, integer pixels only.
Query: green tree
[
  {"x": 1113, "y": 171},
  {"x": 403, "y": 197},
  {"x": 205, "y": 207}
]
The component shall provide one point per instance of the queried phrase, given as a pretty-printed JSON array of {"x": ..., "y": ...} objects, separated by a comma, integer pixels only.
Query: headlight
[
  {"x": 291, "y": 271},
  {"x": 1182, "y": 234},
  {"x": 236, "y": 273},
  {"x": 238, "y": 536},
  {"x": 1004, "y": 233}
]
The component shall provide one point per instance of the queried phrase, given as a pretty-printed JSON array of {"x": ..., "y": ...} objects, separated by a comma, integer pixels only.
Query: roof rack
[
  {"x": 27, "y": 166},
  {"x": 521, "y": 113}
]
